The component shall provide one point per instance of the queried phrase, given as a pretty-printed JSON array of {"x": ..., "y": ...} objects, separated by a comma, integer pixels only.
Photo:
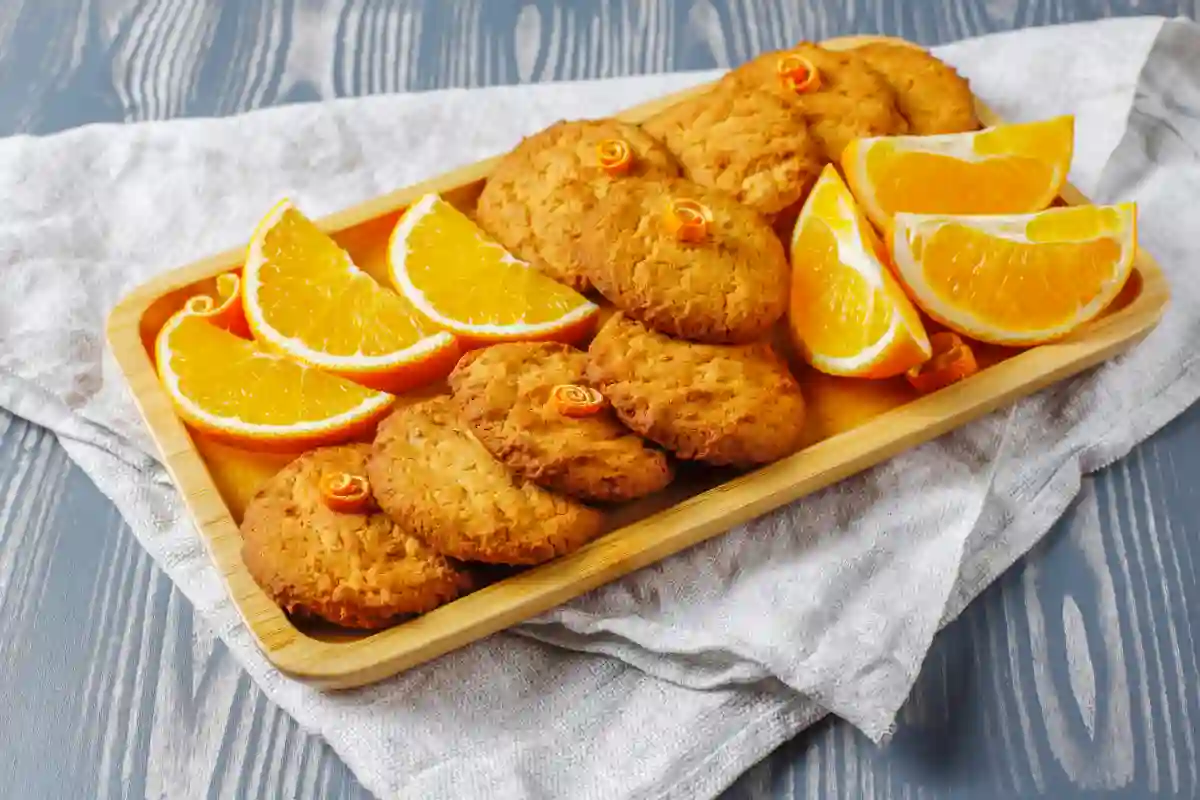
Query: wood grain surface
[{"x": 1075, "y": 675}]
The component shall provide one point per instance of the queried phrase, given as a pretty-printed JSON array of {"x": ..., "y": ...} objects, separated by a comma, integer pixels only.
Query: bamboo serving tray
[{"x": 851, "y": 426}]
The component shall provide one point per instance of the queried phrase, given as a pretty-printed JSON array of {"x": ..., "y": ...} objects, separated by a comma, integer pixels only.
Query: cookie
[
  {"x": 520, "y": 205},
  {"x": 354, "y": 567},
  {"x": 430, "y": 471},
  {"x": 849, "y": 100},
  {"x": 724, "y": 404},
  {"x": 751, "y": 144},
  {"x": 721, "y": 280},
  {"x": 931, "y": 95},
  {"x": 507, "y": 394}
]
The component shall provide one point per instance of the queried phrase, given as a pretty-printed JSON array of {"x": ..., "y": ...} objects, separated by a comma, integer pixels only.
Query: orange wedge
[
  {"x": 304, "y": 297},
  {"x": 235, "y": 390},
  {"x": 467, "y": 283},
  {"x": 1019, "y": 279},
  {"x": 848, "y": 315},
  {"x": 1008, "y": 169}
]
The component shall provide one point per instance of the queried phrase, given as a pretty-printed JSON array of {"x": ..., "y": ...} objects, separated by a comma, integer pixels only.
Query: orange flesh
[
  {"x": 310, "y": 290},
  {"x": 231, "y": 377},
  {"x": 1013, "y": 172},
  {"x": 445, "y": 244},
  {"x": 1014, "y": 284},
  {"x": 928, "y": 183},
  {"x": 834, "y": 309},
  {"x": 839, "y": 313}
]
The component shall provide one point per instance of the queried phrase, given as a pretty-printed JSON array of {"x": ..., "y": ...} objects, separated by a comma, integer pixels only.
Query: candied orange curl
[
  {"x": 616, "y": 156},
  {"x": 224, "y": 308},
  {"x": 798, "y": 73},
  {"x": 951, "y": 362},
  {"x": 346, "y": 492},
  {"x": 688, "y": 220},
  {"x": 573, "y": 400}
]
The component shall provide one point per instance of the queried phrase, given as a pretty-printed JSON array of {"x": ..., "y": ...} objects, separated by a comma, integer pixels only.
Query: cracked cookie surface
[
  {"x": 504, "y": 393},
  {"x": 521, "y": 205},
  {"x": 428, "y": 469},
  {"x": 729, "y": 286},
  {"x": 750, "y": 144},
  {"x": 724, "y": 404},
  {"x": 359, "y": 570},
  {"x": 930, "y": 93},
  {"x": 851, "y": 101}
]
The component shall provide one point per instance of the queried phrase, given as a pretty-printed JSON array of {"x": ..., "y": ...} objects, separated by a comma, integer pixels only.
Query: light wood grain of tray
[{"x": 215, "y": 480}]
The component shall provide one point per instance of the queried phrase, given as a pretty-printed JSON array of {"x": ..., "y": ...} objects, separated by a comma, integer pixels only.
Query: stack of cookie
[
  {"x": 678, "y": 224},
  {"x": 365, "y": 535}
]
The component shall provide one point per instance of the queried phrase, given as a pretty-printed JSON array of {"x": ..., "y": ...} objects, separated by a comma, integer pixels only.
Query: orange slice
[
  {"x": 1008, "y": 169},
  {"x": 467, "y": 283},
  {"x": 304, "y": 297},
  {"x": 235, "y": 390},
  {"x": 848, "y": 315},
  {"x": 1019, "y": 279}
]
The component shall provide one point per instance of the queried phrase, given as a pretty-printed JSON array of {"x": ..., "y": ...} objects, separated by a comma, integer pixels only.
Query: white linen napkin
[{"x": 738, "y": 643}]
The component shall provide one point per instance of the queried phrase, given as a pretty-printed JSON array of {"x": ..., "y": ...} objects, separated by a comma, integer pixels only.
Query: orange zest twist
[
  {"x": 616, "y": 157},
  {"x": 342, "y": 491},
  {"x": 223, "y": 308},
  {"x": 798, "y": 73},
  {"x": 572, "y": 400},
  {"x": 951, "y": 362},
  {"x": 688, "y": 220}
]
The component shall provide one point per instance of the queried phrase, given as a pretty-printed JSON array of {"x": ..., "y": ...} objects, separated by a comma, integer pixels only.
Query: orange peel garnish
[
  {"x": 798, "y": 73},
  {"x": 224, "y": 307},
  {"x": 573, "y": 400},
  {"x": 688, "y": 220},
  {"x": 951, "y": 362},
  {"x": 616, "y": 156},
  {"x": 346, "y": 492}
]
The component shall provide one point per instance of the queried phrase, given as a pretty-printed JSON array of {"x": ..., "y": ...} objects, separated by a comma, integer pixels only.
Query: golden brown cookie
[
  {"x": 507, "y": 394},
  {"x": 429, "y": 470},
  {"x": 353, "y": 567},
  {"x": 751, "y": 144},
  {"x": 520, "y": 205},
  {"x": 727, "y": 283},
  {"x": 931, "y": 95},
  {"x": 724, "y": 404},
  {"x": 849, "y": 100}
]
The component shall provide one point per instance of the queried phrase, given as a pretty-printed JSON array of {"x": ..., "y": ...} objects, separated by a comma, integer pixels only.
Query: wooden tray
[{"x": 852, "y": 425}]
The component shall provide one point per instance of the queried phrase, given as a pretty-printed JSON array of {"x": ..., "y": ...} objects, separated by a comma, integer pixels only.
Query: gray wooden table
[{"x": 1075, "y": 675}]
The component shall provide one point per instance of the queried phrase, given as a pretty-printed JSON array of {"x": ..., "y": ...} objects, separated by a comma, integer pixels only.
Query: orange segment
[
  {"x": 304, "y": 297},
  {"x": 1018, "y": 279},
  {"x": 848, "y": 315},
  {"x": 234, "y": 390},
  {"x": 1008, "y": 169},
  {"x": 467, "y": 283}
]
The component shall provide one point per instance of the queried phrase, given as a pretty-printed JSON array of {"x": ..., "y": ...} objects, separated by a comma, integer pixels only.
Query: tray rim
[{"x": 345, "y": 664}]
